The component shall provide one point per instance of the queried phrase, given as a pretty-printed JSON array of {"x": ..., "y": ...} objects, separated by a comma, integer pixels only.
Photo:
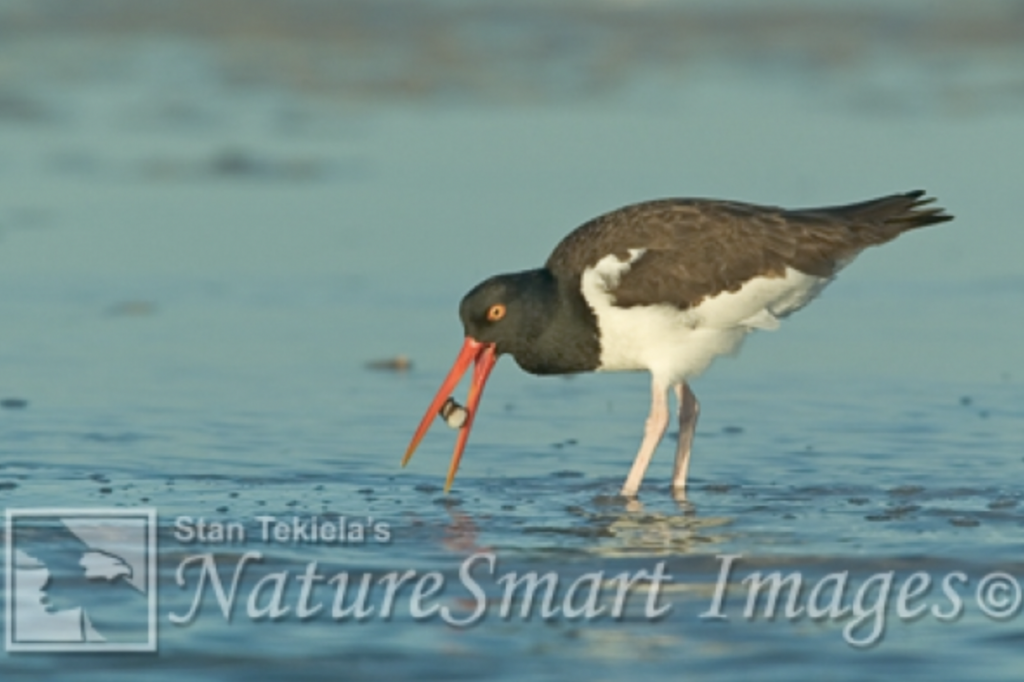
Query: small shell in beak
[{"x": 454, "y": 415}]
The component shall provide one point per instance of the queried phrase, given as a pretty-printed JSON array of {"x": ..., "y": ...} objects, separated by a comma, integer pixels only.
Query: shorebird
[{"x": 664, "y": 286}]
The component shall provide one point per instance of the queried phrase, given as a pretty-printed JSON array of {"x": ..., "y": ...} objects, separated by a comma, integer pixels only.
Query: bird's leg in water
[
  {"x": 689, "y": 410},
  {"x": 657, "y": 421}
]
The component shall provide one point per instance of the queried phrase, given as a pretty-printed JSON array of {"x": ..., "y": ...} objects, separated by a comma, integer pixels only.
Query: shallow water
[{"x": 194, "y": 272}]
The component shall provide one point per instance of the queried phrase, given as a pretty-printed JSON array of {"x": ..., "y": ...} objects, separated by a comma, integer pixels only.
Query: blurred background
[
  {"x": 215, "y": 213},
  {"x": 163, "y": 158}
]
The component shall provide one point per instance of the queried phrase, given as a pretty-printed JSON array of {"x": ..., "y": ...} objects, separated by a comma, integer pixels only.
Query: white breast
[{"x": 678, "y": 344}]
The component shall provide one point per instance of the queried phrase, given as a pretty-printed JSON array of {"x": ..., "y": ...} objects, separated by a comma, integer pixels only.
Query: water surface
[{"x": 195, "y": 269}]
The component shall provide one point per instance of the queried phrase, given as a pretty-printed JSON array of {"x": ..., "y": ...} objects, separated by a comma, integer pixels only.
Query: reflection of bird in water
[
  {"x": 663, "y": 286},
  {"x": 657, "y": 533},
  {"x": 80, "y": 578},
  {"x": 632, "y": 530},
  {"x": 462, "y": 533}
]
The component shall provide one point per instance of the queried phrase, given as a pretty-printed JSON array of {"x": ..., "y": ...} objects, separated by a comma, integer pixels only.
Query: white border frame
[{"x": 149, "y": 513}]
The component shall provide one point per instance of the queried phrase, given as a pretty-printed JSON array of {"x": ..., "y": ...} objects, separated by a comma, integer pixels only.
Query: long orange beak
[{"x": 483, "y": 356}]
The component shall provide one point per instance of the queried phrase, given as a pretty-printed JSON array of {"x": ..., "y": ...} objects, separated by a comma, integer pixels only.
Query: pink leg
[
  {"x": 657, "y": 421},
  {"x": 689, "y": 410}
]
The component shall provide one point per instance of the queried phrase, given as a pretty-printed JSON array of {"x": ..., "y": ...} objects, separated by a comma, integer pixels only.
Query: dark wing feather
[{"x": 695, "y": 248}]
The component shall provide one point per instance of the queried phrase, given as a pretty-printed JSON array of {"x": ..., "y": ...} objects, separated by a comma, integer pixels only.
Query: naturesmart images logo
[
  {"x": 239, "y": 583},
  {"x": 86, "y": 580},
  {"x": 81, "y": 580}
]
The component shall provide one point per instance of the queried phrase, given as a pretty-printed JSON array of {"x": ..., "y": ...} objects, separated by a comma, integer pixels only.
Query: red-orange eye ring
[{"x": 496, "y": 312}]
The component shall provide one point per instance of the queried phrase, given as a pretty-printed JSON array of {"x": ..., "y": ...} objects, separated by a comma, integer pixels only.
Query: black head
[
  {"x": 505, "y": 314},
  {"x": 525, "y": 314},
  {"x": 509, "y": 311}
]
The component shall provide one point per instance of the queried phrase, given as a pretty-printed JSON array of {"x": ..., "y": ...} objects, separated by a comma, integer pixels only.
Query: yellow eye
[{"x": 496, "y": 312}]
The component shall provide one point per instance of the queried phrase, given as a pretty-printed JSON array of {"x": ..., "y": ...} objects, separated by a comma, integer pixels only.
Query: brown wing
[{"x": 696, "y": 248}]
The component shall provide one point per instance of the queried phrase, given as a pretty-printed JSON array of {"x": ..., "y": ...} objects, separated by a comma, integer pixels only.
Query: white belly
[{"x": 678, "y": 344}]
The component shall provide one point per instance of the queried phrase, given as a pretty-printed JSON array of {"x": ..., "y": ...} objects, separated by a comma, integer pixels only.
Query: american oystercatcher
[{"x": 664, "y": 286}]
